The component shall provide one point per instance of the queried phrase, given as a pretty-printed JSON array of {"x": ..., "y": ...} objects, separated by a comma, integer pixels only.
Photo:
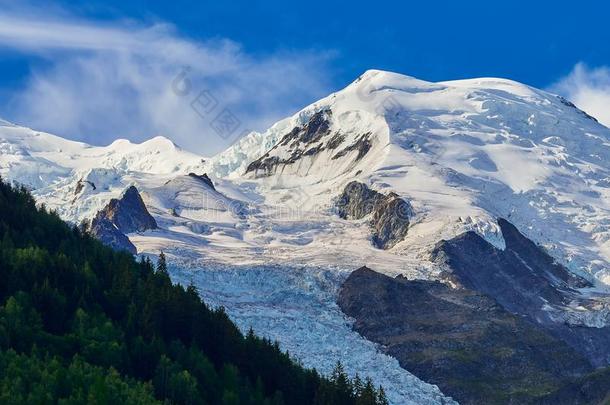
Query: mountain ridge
[{"x": 465, "y": 151}]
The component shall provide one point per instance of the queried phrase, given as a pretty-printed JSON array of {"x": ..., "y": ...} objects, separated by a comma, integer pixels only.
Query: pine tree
[
  {"x": 162, "y": 264},
  {"x": 358, "y": 386},
  {"x": 7, "y": 242},
  {"x": 342, "y": 383},
  {"x": 250, "y": 336},
  {"x": 381, "y": 397},
  {"x": 192, "y": 288},
  {"x": 369, "y": 395}
]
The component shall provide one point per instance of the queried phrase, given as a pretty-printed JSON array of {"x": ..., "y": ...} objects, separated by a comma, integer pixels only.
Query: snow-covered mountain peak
[
  {"x": 463, "y": 152},
  {"x": 55, "y": 168},
  {"x": 157, "y": 144},
  {"x": 379, "y": 79},
  {"x": 403, "y": 105}
]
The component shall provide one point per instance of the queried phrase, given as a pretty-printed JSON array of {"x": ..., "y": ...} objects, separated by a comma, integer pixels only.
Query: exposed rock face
[
  {"x": 362, "y": 145},
  {"x": 80, "y": 185},
  {"x": 204, "y": 178},
  {"x": 459, "y": 339},
  {"x": 335, "y": 141},
  {"x": 593, "y": 388},
  {"x": 526, "y": 281},
  {"x": 357, "y": 201},
  {"x": 317, "y": 127},
  {"x": 308, "y": 140},
  {"x": 128, "y": 214},
  {"x": 107, "y": 233},
  {"x": 300, "y": 140},
  {"x": 390, "y": 213},
  {"x": 571, "y": 105},
  {"x": 121, "y": 216}
]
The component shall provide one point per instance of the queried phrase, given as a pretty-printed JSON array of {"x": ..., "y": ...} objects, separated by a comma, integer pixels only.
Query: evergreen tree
[
  {"x": 162, "y": 264},
  {"x": 357, "y": 386},
  {"x": 369, "y": 394},
  {"x": 381, "y": 397},
  {"x": 343, "y": 385}
]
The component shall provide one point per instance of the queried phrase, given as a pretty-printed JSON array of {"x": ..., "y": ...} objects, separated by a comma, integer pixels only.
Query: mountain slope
[{"x": 463, "y": 153}]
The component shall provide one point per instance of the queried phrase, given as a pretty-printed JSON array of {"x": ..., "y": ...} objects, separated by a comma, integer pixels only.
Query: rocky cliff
[
  {"x": 389, "y": 213},
  {"x": 107, "y": 233},
  {"x": 461, "y": 340},
  {"x": 121, "y": 216},
  {"x": 128, "y": 213},
  {"x": 527, "y": 282}
]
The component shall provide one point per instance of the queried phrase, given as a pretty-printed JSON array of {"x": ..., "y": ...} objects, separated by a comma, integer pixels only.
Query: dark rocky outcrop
[
  {"x": 80, "y": 186},
  {"x": 107, "y": 233},
  {"x": 357, "y": 201},
  {"x": 462, "y": 340},
  {"x": 362, "y": 145},
  {"x": 128, "y": 213},
  {"x": 301, "y": 141},
  {"x": 593, "y": 388},
  {"x": 309, "y": 139},
  {"x": 526, "y": 281},
  {"x": 390, "y": 213},
  {"x": 335, "y": 141},
  {"x": 317, "y": 127},
  {"x": 570, "y": 104},
  {"x": 121, "y": 216},
  {"x": 204, "y": 178}
]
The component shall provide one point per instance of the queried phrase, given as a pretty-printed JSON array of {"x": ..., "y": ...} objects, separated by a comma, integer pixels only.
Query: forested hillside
[{"x": 80, "y": 323}]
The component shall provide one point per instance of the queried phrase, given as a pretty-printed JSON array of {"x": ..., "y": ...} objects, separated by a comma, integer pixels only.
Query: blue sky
[{"x": 95, "y": 70}]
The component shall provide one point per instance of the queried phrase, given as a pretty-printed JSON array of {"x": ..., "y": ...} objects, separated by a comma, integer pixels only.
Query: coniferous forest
[{"x": 81, "y": 323}]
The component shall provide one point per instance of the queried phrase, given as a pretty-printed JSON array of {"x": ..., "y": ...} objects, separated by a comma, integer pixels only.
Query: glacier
[{"x": 296, "y": 306}]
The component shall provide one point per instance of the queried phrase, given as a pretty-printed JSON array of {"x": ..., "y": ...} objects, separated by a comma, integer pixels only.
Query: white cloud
[
  {"x": 103, "y": 81},
  {"x": 589, "y": 89}
]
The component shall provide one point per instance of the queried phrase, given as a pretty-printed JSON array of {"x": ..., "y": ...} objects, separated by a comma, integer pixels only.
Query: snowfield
[{"x": 463, "y": 153}]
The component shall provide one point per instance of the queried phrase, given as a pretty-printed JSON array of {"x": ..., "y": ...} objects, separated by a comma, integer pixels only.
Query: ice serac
[
  {"x": 459, "y": 339},
  {"x": 389, "y": 213}
]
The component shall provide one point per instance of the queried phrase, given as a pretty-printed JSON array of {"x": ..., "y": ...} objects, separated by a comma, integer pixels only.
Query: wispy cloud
[
  {"x": 589, "y": 89},
  {"x": 101, "y": 81}
]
